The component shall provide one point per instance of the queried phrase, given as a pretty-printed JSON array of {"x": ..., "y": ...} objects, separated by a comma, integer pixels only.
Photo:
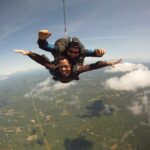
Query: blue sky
[{"x": 120, "y": 26}]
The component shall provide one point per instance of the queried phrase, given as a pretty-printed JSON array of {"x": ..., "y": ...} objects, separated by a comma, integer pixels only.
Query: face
[
  {"x": 73, "y": 52},
  {"x": 64, "y": 68}
]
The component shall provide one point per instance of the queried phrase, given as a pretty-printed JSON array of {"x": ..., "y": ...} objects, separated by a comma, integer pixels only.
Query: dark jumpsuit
[{"x": 54, "y": 70}]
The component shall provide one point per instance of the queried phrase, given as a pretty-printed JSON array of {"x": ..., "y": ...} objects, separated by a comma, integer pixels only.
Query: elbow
[{"x": 41, "y": 44}]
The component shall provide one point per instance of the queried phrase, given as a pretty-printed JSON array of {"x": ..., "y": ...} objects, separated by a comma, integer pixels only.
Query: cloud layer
[
  {"x": 136, "y": 76},
  {"x": 61, "y": 86},
  {"x": 43, "y": 89},
  {"x": 9, "y": 73}
]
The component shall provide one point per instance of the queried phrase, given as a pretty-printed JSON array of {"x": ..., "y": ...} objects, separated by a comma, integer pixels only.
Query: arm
[
  {"x": 41, "y": 59},
  {"x": 43, "y": 35},
  {"x": 97, "y": 65},
  {"x": 95, "y": 52}
]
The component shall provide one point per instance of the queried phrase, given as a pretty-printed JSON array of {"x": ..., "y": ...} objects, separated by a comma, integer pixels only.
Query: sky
[{"x": 122, "y": 27}]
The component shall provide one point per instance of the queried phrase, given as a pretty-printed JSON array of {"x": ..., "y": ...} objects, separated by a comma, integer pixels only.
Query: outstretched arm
[
  {"x": 97, "y": 65},
  {"x": 41, "y": 59}
]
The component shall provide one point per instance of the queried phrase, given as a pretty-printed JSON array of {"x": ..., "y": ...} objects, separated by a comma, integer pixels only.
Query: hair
[{"x": 59, "y": 58}]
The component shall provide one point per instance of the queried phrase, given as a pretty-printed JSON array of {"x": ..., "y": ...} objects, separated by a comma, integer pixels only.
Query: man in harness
[{"x": 72, "y": 49}]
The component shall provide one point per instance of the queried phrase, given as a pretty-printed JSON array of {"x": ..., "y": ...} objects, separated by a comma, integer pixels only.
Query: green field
[{"x": 85, "y": 116}]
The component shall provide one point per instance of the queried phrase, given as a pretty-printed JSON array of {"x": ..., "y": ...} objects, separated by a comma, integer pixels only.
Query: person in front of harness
[{"x": 64, "y": 71}]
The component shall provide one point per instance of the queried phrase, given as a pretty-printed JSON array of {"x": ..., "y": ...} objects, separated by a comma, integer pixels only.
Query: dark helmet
[{"x": 76, "y": 43}]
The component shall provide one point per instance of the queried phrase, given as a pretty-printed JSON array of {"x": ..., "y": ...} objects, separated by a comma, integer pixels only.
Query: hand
[
  {"x": 100, "y": 52},
  {"x": 23, "y": 52},
  {"x": 115, "y": 62},
  {"x": 44, "y": 34}
]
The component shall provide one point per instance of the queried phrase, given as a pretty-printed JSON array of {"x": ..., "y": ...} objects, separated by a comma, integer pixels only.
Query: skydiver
[
  {"x": 64, "y": 71},
  {"x": 75, "y": 51}
]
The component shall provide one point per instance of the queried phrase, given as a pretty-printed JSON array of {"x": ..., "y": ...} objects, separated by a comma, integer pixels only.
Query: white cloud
[
  {"x": 142, "y": 105},
  {"x": 126, "y": 67},
  {"x": 3, "y": 77},
  {"x": 9, "y": 73},
  {"x": 6, "y": 75},
  {"x": 43, "y": 89},
  {"x": 136, "y": 108},
  {"x": 62, "y": 86},
  {"x": 39, "y": 90},
  {"x": 137, "y": 76}
]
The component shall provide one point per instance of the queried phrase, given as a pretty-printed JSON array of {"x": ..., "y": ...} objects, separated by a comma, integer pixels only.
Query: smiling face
[{"x": 64, "y": 67}]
